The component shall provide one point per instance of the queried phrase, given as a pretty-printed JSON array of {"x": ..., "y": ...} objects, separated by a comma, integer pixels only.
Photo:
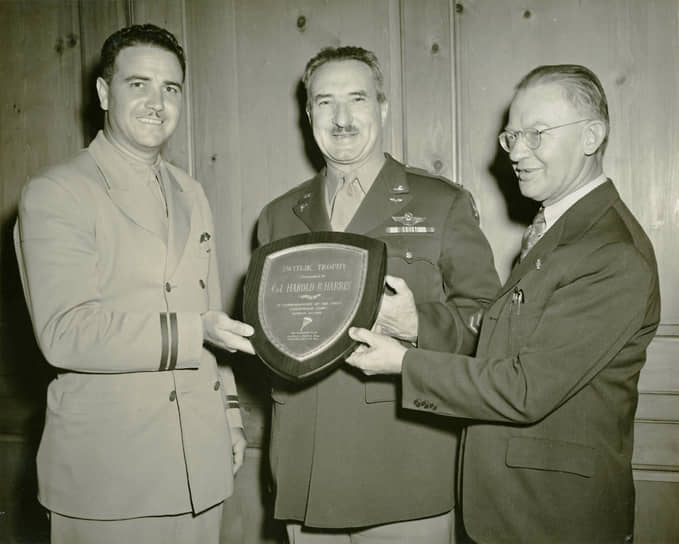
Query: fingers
[
  {"x": 396, "y": 283},
  {"x": 238, "y": 447},
  {"x": 227, "y": 333},
  {"x": 233, "y": 342},
  {"x": 224, "y": 322},
  {"x": 362, "y": 335}
]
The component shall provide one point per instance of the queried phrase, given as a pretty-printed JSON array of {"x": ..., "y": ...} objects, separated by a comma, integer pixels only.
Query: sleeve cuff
[{"x": 181, "y": 340}]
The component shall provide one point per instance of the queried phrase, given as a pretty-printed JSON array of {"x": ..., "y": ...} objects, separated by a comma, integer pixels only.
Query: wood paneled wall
[{"x": 449, "y": 68}]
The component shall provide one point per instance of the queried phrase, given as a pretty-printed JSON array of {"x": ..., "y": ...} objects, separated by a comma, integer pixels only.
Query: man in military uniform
[
  {"x": 117, "y": 258},
  {"x": 348, "y": 464}
]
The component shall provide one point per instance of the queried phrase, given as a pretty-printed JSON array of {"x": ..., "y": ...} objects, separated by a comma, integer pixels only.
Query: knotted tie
[
  {"x": 347, "y": 200},
  {"x": 533, "y": 233}
]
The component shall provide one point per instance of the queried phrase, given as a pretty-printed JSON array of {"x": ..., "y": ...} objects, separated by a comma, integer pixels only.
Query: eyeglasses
[{"x": 532, "y": 136}]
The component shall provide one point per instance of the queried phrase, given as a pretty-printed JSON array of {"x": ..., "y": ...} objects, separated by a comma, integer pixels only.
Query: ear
[
  {"x": 593, "y": 136},
  {"x": 384, "y": 111},
  {"x": 102, "y": 91}
]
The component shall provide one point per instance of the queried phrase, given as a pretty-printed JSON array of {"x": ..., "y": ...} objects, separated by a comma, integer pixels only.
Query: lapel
[
  {"x": 577, "y": 220},
  {"x": 389, "y": 194},
  {"x": 123, "y": 190},
  {"x": 180, "y": 203},
  {"x": 311, "y": 207}
]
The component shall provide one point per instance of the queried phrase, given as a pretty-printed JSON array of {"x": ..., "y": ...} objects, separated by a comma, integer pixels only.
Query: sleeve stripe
[
  {"x": 164, "y": 341},
  {"x": 232, "y": 405},
  {"x": 174, "y": 336},
  {"x": 232, "y": 397}
]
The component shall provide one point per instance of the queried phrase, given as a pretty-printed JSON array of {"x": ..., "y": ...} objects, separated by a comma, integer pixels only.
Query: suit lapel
[
  {"x": 123, "y": 184},
  {"x": 311, "y": 207},
  {"x": 180, "y": 203},
  {"x": 135, "y": 206},
  {"x": 577, "y": 220},
  {"x": 389, "y": 194}
]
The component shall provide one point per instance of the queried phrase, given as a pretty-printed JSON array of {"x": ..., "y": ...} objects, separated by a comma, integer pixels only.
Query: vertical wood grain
[
  {"x": 632, "y": 46},
  {"x": 40, "y": 109},
  {"x": 427, "y": 75},
  {"x": 40, "y": 102},
  {"x": 98, "y": 20}
]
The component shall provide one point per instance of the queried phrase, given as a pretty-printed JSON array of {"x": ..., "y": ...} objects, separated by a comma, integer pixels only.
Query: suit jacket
[
  {"x": 552, "y": 392},
  {"x": 135, "y": 423},
  {"x": 342, "y": 452}
]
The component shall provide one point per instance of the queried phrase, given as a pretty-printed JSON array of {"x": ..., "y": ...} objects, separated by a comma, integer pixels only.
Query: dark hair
[
  {"x": 147, "y": 34},
  {"x": 581, "y": 88},
  {"x": 348, "y": 52}
]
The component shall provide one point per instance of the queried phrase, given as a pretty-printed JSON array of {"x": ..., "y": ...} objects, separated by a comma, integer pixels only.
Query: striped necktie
[{"x": 533, "y": 233}]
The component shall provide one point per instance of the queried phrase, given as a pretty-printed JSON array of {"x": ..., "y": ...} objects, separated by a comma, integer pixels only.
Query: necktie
[
  {"x": 347, "y": 200},
  {"x": 533, "y": 233}
]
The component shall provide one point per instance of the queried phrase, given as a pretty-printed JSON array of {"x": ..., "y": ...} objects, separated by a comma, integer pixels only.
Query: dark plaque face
[{"x": 302, "y": 294}]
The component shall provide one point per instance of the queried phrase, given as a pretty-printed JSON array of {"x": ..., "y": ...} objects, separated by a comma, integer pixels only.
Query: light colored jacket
[{"x": 135, "y": 422}]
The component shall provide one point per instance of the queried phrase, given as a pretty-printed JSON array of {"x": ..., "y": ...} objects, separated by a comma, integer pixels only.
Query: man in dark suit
[
  {"x": 348, "y": 464},
  {"x": 549, "y": 399}
]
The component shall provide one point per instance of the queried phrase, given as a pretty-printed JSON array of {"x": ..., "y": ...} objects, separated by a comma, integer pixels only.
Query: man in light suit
[
  {"x": 117, "y": 257},
  {"x": 348, "y": 464},
  {"x": 549, "y": 399}
]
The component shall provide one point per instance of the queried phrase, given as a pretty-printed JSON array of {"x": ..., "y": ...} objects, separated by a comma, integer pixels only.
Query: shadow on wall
[
  {"x": 313, "y": 154},
  {"x": 23, "y": 409},
  {"x": 519, "y": 208},
  {"x": 92, "y": 116}
]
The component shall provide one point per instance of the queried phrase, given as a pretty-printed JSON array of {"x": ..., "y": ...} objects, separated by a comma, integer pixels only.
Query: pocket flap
[
  {"x": 555, "y": 455},
  {"x": 377, "y": 390}
]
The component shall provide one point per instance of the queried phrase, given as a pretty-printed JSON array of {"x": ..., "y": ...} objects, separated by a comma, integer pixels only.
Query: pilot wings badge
[{"x": 408, "y": 225}]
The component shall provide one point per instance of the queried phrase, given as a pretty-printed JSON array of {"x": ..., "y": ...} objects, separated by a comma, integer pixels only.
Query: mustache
[{"x": 348, "y": 129}]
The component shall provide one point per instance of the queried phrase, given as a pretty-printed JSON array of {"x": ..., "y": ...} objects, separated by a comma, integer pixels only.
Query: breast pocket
[
  {"x": 415, "y": 259},
  {"x": 524, "y": 318}
]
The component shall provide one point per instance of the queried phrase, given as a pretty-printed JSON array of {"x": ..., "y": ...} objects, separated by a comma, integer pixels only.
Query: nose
[
  {"x": 520, "y": 149},
  {"x": 154, "y": 99},
  {"x": 342, "y": 115}
]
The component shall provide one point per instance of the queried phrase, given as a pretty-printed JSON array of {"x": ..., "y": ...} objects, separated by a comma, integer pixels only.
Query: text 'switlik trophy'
[{"x": 303, "y": 292}]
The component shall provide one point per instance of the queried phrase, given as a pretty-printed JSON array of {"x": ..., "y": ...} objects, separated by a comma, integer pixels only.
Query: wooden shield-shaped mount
[{"x": 303, "y": 292}]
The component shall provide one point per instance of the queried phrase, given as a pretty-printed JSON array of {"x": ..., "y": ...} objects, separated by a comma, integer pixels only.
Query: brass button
[
  {"x": 202, "y": 284},
  {"x": 173, "y": 395},
  {"x": 168, "y": 287},
  {"x": 409, "y": 254},
  {"x": 217, "y": 385}
]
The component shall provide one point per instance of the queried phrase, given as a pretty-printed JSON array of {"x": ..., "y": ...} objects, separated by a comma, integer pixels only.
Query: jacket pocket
[
  {"x": 554, "y": 455},
  {"x": 383, "y": 390}
]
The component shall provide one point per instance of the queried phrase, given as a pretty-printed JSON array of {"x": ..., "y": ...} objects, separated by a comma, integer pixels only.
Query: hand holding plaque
[{"x": 303, "y": 292}]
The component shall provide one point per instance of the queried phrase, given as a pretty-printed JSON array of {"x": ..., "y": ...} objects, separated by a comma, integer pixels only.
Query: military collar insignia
[{"x": 303, "y": 202}]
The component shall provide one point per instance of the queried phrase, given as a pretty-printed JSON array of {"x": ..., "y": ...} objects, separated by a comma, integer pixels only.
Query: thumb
[
  {"x": 396, "y": 283},
  {"x": 362, "y": 335},
  {"x": 233, "y": 325}
]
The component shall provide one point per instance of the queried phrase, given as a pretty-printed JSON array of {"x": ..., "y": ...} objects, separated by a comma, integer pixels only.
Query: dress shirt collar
[
  {"x": 554, "y": 211},
  {"x": 120, "y": 167},
  {"x": 366, "y": 174}
]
